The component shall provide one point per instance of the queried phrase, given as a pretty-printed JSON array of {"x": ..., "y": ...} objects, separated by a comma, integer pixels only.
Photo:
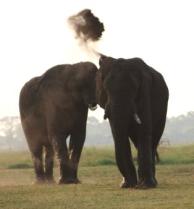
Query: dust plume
[{"x": 86, "y": 26}]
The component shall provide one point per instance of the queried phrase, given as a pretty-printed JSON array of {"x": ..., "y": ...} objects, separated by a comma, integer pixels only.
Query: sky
[{"x": 34, "y": 36}]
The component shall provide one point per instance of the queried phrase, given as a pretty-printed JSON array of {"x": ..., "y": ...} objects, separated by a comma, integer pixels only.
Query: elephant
[
  {"x": 134, "y": 97},
  {"x": 53, "y": 107}
]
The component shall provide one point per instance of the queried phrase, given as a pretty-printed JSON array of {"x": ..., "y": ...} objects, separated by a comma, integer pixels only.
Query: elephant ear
[{"x": 106, "y": 65}]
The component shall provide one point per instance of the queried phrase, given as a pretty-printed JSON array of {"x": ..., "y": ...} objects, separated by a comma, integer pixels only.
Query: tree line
[{"x": 178, "y": 130}]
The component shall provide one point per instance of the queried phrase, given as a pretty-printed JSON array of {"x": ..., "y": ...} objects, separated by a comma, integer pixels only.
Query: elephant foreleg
[
  {"x": 59, "y": 142},
  {"x": 124, "y": 157},
  {"x": 125, "y": 163},
  {"x": 76, "y": 145}
]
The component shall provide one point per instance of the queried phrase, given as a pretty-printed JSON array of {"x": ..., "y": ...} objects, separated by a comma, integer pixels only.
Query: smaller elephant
[
  {"x": 53, "y": 107},
  {"x": 135, "y": 99}
]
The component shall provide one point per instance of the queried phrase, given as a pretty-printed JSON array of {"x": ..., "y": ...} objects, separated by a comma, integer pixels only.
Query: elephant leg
[
  {"x": 35, "y": 133},
  {"x": 60, "y": 146},
  {"x": 76, "y": 145},
  {"x": 157, "y": 157},
  {"x": 154, "y": 153},
  {"x": 125, "y": 163},
  {"x": 49, "y": 163},
  {"x": 123, "y": 156},
  {"x": 157, "y": 134},
  {"x": 145, "y": 162},
  {"x": 38, "y": 163}
]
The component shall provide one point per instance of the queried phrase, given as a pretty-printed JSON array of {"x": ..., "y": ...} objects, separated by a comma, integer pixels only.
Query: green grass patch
[
  {"x": 100, "y": 183},
  {"x": 176, "y": 155},
  {"x": 104, "y": 156}
]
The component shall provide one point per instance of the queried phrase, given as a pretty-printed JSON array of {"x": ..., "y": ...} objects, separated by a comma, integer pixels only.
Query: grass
[{"x": 100, "y": 183}]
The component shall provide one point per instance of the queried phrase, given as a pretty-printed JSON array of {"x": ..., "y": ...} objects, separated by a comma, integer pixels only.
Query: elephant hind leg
[
  {"x": 35, "y": 132},
  {"x": 37, "y": 155},
  {"x": 49, "y": 163},
  {"x": 157, "y": 134},
  {"x": 145, "y": 164}
]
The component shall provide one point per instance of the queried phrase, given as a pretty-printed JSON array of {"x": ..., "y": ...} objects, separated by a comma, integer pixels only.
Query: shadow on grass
[
  {"x": 106, "y": 162},
  {"x": 20, "y": 166},
  {"x": 172, "y": 161},
  {"x": 110, "y": 162},
  {"x": 101, "y": 162},
  {"x": 167, "y": 161}
]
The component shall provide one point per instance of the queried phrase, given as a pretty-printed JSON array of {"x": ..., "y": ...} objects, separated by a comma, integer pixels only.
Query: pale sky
[{"x": 34, "y": 37}]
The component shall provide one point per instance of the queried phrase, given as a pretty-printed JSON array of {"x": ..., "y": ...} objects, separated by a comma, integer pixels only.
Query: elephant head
[
  {"x": 85, "y": 82},
  {"x": 117, "y": 89}
]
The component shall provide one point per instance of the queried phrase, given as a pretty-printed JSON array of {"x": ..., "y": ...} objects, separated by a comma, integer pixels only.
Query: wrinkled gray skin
[
  {"x": 53, "y": 107},
  {"x": 135, "y": 99}
]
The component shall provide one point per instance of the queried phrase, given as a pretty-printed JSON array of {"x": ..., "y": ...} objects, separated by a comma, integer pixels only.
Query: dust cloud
[
  {"x": 88, "y": 30},
  {"x": 86, "y": 26}
]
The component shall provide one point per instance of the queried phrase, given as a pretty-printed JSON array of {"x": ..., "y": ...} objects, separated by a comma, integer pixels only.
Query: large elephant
[
  {"x": 53, "y": 107},
  {"x": 135, "y": 99}
]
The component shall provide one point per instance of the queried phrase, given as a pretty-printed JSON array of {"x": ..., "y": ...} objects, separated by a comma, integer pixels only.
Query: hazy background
[
  {"x": 34, "y": 37},
  {"x": 179, "y": 130}
]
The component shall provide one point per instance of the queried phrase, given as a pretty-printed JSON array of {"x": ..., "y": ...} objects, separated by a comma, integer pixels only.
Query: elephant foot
[
  {"x": 147, "y": 184},
  {"x": 69, "y": 181},
  {"x": 126, "y": 184}
]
